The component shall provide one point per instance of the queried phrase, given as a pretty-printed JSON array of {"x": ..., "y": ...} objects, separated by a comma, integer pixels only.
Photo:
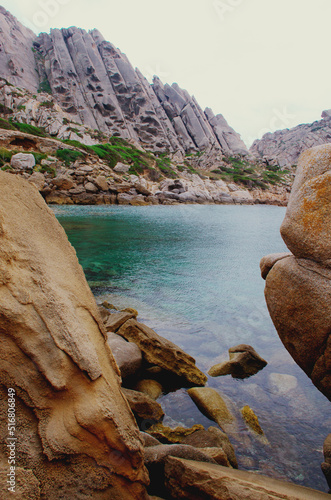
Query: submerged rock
[
  {"x": 55, "y": 358},
  {"x": 176, "y": 435},
  {"x": 211, "y": 404},
  {"x": 251, "y": 420}
]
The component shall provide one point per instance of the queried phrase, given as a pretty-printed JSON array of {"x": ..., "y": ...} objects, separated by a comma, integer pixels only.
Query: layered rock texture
[
  {"x": 76, "y": 435},
  {"x": 298, "y": 286},
  {"x": 283, "y": 148},
  {"x": 95, "y": 83}
]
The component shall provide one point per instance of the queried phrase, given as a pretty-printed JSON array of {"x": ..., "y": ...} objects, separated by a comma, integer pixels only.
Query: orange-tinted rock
[{"x": 75, "y": 431}]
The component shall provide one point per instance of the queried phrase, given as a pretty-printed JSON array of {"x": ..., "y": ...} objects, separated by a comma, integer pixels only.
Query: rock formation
[
  {"x": 283, "y": 148},
  {"x": 95, "y": 84},
  {"x": 298, "y": 286},
  {"x": 75, "y": 432}
]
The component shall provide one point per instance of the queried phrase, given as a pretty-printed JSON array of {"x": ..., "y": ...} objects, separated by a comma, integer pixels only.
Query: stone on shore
[
  {"x": 127, "y": 355},
  {"x": 82, "y": 438},
  {"x": 177, "y": 435},
  {"x": 251, "y": 420},
  {"x": 161, "y": 352},
  {"x": 150, "y": 387},
  {"x": 192, "y": 480},
  {"x": 143, "y": 406}
]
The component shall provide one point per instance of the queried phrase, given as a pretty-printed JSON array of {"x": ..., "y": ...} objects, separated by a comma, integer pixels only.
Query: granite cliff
[
  {"x": 283, "y": 148},
  {"x": 94, "y": 82}
]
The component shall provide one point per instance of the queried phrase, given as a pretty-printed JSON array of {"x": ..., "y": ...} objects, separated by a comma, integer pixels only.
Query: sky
[{"x": 263, "y": 64}]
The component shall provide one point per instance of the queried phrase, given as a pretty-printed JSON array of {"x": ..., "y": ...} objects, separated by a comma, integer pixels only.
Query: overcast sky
[{"x": 263, "y": 64}]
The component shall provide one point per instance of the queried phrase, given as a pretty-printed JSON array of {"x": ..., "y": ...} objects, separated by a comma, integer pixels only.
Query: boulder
[
  {"x": 23, "y": 161},
  {"x": 101, "y": 183},
  {"x": 192, "y": 480},
  {"x": 212, "y": 438},
  {"x": 302, "y": 316},
  {"x": 161, "y": 352},
  {"x": 63, "y": 182},
  {"x": 155, "y": 459},
  {"x": 144, "y": 407},
  {"x": 38, "y": 179},
  {"x": 151, "y": 387},
  {"x": 244, "y": 362},
  {"x": 121, "y": 168},
  {"x": 75, "y": 430},
  {"x": 127, "y": 355},
  {"x": 148, "y": 440},
  {"x": 116, "y": 320},
  {"x": 211, "y": 404},
  {"x": 268, "y": 262},
  {"x": 307, "y": 223},
  {"x": 90, "y": 187}
]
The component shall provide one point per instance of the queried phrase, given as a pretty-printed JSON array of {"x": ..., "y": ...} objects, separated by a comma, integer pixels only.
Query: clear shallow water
[{"x": 193, "y": 274}]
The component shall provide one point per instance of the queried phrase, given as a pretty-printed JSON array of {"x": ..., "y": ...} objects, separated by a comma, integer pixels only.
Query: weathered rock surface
[
  {"x": 244, "y": 362},
  {"x": 177, "y": 435},
  {"x": 192, "y": 480},
  {"x": 302, "y": 315},
  {"x": 161, "y": 352},
  {"x": 54, "y": 355},
  {"x": 284, "y": 147}
]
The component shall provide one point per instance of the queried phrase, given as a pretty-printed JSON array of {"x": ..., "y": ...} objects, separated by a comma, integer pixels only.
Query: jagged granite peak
[
  {"x": 16, "y": 57},
  {"x": 229, "y": 140},
  {"x": 96, "y": 85},
  {"x": 283, "y": 147}
]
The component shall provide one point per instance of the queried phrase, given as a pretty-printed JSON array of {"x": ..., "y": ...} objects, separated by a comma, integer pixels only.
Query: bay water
[{"x": 193, "y": 274}]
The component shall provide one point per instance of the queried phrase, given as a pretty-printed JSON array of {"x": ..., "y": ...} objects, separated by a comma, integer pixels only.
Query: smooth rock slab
[
  {"x": 144, "y": 407},
  {"x": 189, "y": 480}
]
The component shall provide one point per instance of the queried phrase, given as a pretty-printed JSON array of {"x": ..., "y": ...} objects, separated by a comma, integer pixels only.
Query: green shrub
[
  {"x": 5, "y": 124},
  {"x": 21, "y": 107},
  {"x": 29, "y": 129},
  {"x": 77, "y": 144},
  {"x": 6, "y": 167},
  {"x": 46, "y": 169},
  {"x": 68, "y": 155},
  {"x": 38, "y": 157},
  {"x": 44, "y": 86},
  {"x": 47, "y": 104}
]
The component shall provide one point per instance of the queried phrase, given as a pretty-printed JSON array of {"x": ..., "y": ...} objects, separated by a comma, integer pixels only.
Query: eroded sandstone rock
[{"x": 53, "y": 353}]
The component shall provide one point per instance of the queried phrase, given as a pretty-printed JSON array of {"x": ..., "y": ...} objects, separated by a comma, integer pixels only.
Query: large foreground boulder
[
  {"x": 298, "y": 286},
  {"x": 76, "y": 436}
]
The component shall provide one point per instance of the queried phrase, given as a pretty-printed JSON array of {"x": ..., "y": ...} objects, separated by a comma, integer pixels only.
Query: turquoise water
[{"x": 193, "y": 274}]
